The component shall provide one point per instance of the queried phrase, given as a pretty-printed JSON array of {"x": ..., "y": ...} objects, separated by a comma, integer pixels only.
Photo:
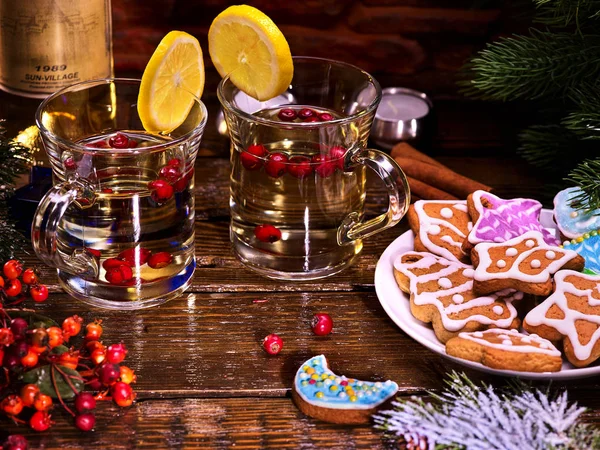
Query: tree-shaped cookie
[
  {"x": 524, "y": 263},
  {"x": 570, "y": 314},
  {"x": 441, "y": 293}
]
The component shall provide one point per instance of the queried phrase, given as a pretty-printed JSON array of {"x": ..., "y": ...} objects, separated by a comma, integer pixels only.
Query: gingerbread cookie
[
  {"x": 570, "y": 314},
  {"x": 506, "y": 350},
  {"x": 440, "y": 227},
  {"x": 524, "y": 263},
  {"x": 498, "y": 220},
  {"x": 573, "y": 222},
  {"x": 588, "y": 246},
  {"x": 321, "y": 394},
  {"x": 441, "y": 293}
]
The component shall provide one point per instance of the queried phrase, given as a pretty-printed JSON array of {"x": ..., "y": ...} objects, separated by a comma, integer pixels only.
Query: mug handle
[
  {"x": 352, "y": 228},
  {"x": 47, "y": 218}
]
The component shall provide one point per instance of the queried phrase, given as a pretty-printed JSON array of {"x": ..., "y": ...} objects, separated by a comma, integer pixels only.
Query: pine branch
[
  {"x": 562, "y": 13},
  {"x": 11, "y": 239},
  {"x": 544, "y": 64},
  {"x": 585, "y": 121},
  {"x": 587, "y": 177}
]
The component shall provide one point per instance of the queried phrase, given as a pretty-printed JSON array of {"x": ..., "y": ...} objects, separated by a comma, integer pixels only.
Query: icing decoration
[
  {"x": 514, "y": 342},
  {"x": 529, "y": 243},
  {"x": 450, "y": 244},
  {"x": 445, "y": 283},
  {"x": 340, "y": 392},
  {"x": 550, "y": 254},
  {"x": 457, "y": 298},
  {"x": 454, "y": 316},
  {"x": 482, "y": 272},
  {"x": 535, "y": 263},
  {"x": 590, "y": 250},
  {"x": 503, "y": 219},
  {"x": 501, "y": 263},
  {"x": 498, "y": 309},
  {"x": 570, "y": 222},
  {"x": 511, "y": 251},
  {"x": 446, "y": 213},
  {"x": 567, "y": 293}
]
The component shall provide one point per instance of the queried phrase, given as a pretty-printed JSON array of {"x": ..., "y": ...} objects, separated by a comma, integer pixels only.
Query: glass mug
[
  {"x": 119, "y": 222},
  {"x": 298, "y": 172}
]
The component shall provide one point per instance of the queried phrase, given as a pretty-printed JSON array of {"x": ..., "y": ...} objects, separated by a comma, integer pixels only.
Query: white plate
[{"x": 397, "y": 305}]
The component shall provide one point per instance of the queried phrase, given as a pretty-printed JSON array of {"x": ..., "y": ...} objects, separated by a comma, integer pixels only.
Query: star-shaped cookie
[
  {"x": 498, "y": 220},
  {"x": 570, "y": 314},
  {"x": 524, "y": 263}
]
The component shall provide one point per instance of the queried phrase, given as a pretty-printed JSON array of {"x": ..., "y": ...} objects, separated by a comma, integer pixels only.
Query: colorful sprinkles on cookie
[
  {"x": 316, "y": 384},
  {"x": 587, "y": 246},
  {"x": 501, "y": 220},
  {"x": 572, "y": 222}
]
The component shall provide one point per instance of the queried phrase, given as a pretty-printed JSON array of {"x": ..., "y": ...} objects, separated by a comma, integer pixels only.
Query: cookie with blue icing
[
  {"x": 320, "y": 393},
  {"x": 571, "y": 222},
  {"x": 588, "y": 246}
]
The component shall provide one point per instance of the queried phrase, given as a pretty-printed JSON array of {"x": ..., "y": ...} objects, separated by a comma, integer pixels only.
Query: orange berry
[
  {"x": 55, "y": 337},
  {"x": 42, "y": 402},
  {"x": 72, "y": 326},
  {"x": 69, "y": 359},
  {"x": 127, "y": 375},
  {"x": 30, "y": 359},
  {"x": 28, "y": 394},
  {"x": 12, "y": 405}
]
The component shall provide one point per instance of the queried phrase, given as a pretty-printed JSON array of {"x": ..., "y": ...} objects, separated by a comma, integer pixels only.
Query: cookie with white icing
[
  {"x": 441, "y": 293},
  {"x": 571, "y": 315},
  {"x": 499, "y": 220},
  {"x": 506, "y": 350},
  {"x": 320, "y": 393},
  {"x": 573, "y": 222},
  {"x": 440, "y": 227},
  {"x": 524, "y": 263}
]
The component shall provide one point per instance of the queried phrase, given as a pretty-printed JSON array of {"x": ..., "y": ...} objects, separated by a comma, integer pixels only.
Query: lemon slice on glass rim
[
  {"x": 245, "y": 44},
  {"x": 172, "y": 81}
]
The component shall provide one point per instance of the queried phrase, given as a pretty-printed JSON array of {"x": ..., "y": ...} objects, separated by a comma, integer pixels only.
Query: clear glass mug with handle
[
  {"x": 118, "y": 224},
  {"x": 299, "y": 169}
]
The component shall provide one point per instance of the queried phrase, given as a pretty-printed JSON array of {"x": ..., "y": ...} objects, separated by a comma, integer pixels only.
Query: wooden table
[{"x": 203, "y": 378}]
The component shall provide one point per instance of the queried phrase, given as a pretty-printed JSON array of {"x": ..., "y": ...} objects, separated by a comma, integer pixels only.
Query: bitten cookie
[
  {"x": 440, "y": 227},
  {"x": 499, "y": 220},
  {"x": 321, "y": 394},
  {"x": 572, "y": 222},
  {"x": 506, "y": 350},
  {"x": 588, "y": 246},
  {"x": 570, "y": 314},
  {"x": 441, "y": 293},
  {"x": 524, "y": 263}
]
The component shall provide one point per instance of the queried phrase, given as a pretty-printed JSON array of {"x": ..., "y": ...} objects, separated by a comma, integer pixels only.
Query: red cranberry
[
  {"x": 322, "y": 324},
  {"x": 40, "y": 421},
  {"x": 111, "y": 263},
  {"x": 175, "y": 162},
  {"x": 107, "y": 191},
  {"x": 85, "y": 422},
  {"x": 11, "y": 361},
  {"x": 13, "y": 287},
  {"x": 119, "y": 275},
  {"x": 116, "y": 353},
  {"x": 161, "y": 190},
  {"x": 39, "y": 293},
  {"x": 272, "y": 344},
  {"x": 135, "y": 256},
  {"x": 70, "y": 164},
  {"x": 15, "y": 442},
  {"x": 160, "y": 260},
  {"x": 325, "y": 117},
  {"x": 84, "y": 401},
  {"x": 306, "y": 113},
  {"x": 287, "y": 114},
  {"x": 337, "y": 154},
  {"x": 122, "y": 394},
  {"x": 312, "y": 119},
  {"x": 300, "y": 166},
  {"x": 170, "y": 173},
  {"x": 267, "y": 233},
  {"x": 94, "y": 384},
  {"x": 251, "y": 158},
  {"x": 109, "y": 374},
  {"x": 119, "y": 140},
  {"x": 325, "y": 167},
  {"x": 19, "y": 326},
  {"x": 276, "y": 166},
  {"x": 6, "y": 337}
]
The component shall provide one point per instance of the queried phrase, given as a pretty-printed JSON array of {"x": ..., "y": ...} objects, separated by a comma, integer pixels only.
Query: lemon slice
[
  {"x": 172, "y": 80},
  {"x": 245, "y": 44}
]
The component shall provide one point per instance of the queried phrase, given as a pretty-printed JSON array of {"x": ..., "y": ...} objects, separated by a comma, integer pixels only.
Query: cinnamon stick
[
  {"x": 440, "y": 177},
  {"x": 404, "y": 150},
  {"x": 426, "y": 192}
]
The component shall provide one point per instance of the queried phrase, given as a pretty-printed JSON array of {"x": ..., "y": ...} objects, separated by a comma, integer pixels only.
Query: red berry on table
[
  {"x": 337, "y": 154},
  {"x": 325, "y": 117},
  {"x": 325, "y": 167},
  {"x": 12, "y": 405},
  {"x": 306, "y": 113},
  {"x": 85, "y": 402},
  {"x": 119, "y": 140},
  {"x": 160, "y": 260},
  {"x": 42, "y": 402},
  {"x": 1, "y": 282},
  {"x": 161, "y": 190},
  {"x": 98, "y": 355},
  {"x": 135, "y": 256},
  {"x": 28, "y": 394},
  {"x": 93, "y": 331},
  {"x": 116, "y": 353},
  {"x": 267, "y": 233},
  {"x": 85, "y": 422},
  {"x": 7, "y": 336},
  {"x": 122, "y": 394},
  {"x": 109, "y": 374},
  {"x": 251, "y": 158},
  {"x": 15, "y": 442},
  {"x": 127, "y": 375},
  {"x": 272, "y": 344},
  {"x": 300, "y": 166},
  {"x": 18, "y": 326},
  {"x": 276, "y": 165},
  {"x": 71, "y": 326},
  {"x": 40, "y": 421},
  {"x": 12, "y": 269},
  {"x": 111, "y": 263},
  {"x": 322, "y": 324},
  {"x": 287, "y": 114},
  {"x": 119, "y": 275},
  {"x": 29, "y": 276},
  {"x": 13, "y": 288},
  {"x": 39, "y": 293}
]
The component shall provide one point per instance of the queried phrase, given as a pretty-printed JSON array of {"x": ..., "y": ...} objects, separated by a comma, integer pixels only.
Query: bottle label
[{"x": 46, "y": 45}]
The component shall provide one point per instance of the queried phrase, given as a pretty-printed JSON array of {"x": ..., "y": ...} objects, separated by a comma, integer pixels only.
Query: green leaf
[
  {"x": 59, "y": 350},
  {"x": 34, "y": 319},
  {"x": 42, "y": 376}
]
